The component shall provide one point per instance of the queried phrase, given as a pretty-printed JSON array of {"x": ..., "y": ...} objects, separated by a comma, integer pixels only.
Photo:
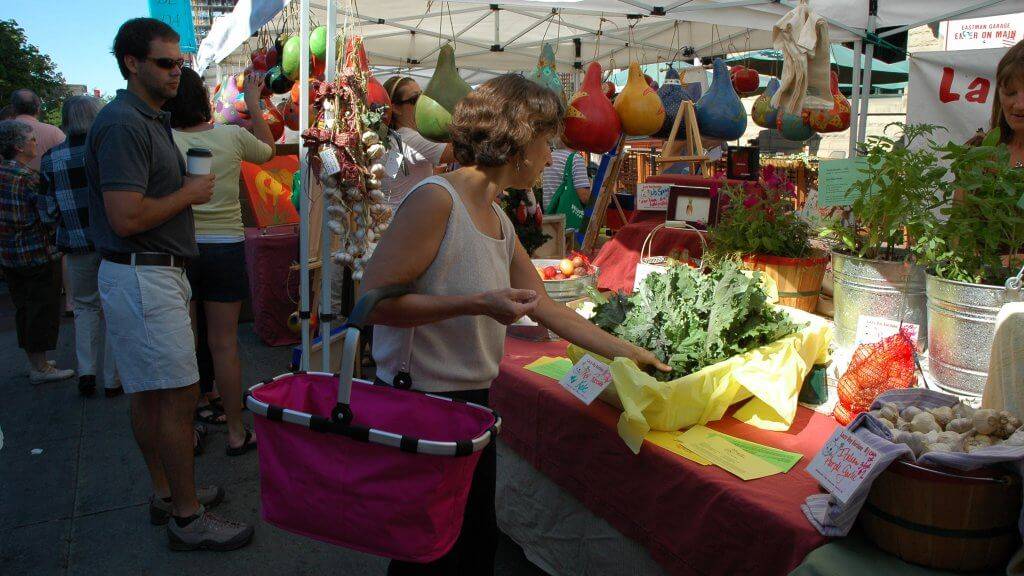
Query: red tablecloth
[
  {"x": 619, "y": 256},
  {"x": 695, "y": 520},
  {"x": 269, "y": 254}
]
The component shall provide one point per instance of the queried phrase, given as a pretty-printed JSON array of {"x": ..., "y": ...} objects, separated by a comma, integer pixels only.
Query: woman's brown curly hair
[
  {"x": 495, "y": 123},
  {"x": 1010, "y": 69}
]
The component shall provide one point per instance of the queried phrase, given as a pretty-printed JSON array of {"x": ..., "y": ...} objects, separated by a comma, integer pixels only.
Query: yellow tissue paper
[{"x": 769, "y": 376}]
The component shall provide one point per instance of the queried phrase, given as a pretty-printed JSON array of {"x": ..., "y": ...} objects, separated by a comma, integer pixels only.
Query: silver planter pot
[
  {"x": 891, "y": 290},
  {"x": 961, "y": 324}
]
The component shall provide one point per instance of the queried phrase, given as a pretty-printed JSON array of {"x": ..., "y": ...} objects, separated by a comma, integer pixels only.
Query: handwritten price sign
[
  {"x": 652, "y": 196},
  {"x": 588, "y": 378},
  {"x": 843, "y": 464}
]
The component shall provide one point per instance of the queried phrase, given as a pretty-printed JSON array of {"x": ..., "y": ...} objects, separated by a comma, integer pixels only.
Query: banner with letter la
[{"x": 953, "y": 89}]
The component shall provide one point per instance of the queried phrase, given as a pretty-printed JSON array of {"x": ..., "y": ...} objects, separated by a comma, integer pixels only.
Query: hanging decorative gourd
[
  {"x": 591, "y": 123},
  {"x": 318, "y": 42},
  {"x": 377, "y": 98},
  {"x": 672, "y": 95},
  {"x": 274, "y": 52},
  {"x": 290, "y": 112},
  {"x": 720, "y": 114},
  {"x": 638, "y": 106},
  {"x": 745, "y": 80},
  {"x": 274, "y": 119},
  {"x": 763, "y": 114},
  {"x": 835, "y": 120},
  {"x": 278, "y": 82},
  {"x": 290, "y": 58},
  {"x": 259, "y": 60},
  {"x": 225, "y": 110},
  {"x": 436, "y": 104},
  {"x": 651, "y": 82},
  {"x": 546, "y": 73},
  {"x": 792, "y": 127}
]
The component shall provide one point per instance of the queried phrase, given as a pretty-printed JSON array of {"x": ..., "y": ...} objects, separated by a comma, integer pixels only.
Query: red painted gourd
[{"x": 591, "y": 123}]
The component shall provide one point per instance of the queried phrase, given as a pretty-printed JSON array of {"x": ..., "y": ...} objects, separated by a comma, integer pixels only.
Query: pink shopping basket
[{"x": 372, "y": 468}]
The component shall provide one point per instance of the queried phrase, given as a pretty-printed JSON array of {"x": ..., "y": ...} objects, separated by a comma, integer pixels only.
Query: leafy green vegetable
[{"x": 691, "y": 320}]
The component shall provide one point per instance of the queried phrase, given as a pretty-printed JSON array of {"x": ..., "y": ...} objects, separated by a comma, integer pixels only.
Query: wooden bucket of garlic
[{"x": 943, "y": 518}]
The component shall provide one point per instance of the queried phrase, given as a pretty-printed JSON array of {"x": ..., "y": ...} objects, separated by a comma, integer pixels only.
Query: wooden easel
[{"x": 694, "y": 146}]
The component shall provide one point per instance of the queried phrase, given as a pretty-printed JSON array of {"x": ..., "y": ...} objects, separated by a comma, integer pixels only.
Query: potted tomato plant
[{"x": 893, "y": 204}]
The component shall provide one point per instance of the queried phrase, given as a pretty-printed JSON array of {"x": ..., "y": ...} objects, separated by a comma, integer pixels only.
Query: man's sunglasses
[{"x": 167, "y": 63}]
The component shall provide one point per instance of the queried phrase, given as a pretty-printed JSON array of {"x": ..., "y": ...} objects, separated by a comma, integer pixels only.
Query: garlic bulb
[
  {"x": 1008, "y": 424},
  {"x": 889, "y": 412},
  {"x": 976, "y": 441},
  {"x": 370, "y": 138},
  {"x": 937, "y": 447},
  {"x": 962, "y": 410},
  {"x": 377, "y": 170},
  {"x": 909, "y": 412},
  {"x": 902, "y": 424},
  {"x": 951, "y": 438},
  {"x": 372, "y": 183},
  {"x": 924, "y": 422},
  {"x": 335, "y": 227},
  {"x": 887, "y": 424},
  {"x": 375, "y": 151},
  {"x": 336, "y": 211},
  {"x": 353, "y": 193},
  {"x": 914, "y": 442},
  {"x": 960, "y": 425},
  {"x": 986, "y": 421},
  {"x": 942, "y": 415}
]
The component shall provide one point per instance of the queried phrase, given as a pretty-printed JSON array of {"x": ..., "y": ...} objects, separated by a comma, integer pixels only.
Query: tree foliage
[{"x": 25, "y": 67}]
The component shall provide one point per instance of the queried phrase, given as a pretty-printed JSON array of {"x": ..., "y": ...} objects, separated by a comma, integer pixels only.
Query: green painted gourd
[
  {"x": 436, "y": 104},
  {"x": 290, "y": 58},
  {"x": 318, "y": 42},
  {"x": 546, "y": 73}
]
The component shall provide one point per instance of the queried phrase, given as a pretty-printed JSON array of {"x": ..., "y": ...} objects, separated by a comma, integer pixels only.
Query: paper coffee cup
[{"x": 199, "y": 161}]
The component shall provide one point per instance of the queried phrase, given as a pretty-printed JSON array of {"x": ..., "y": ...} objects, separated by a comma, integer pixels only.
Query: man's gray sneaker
[
  {"x": 160, "y": 511},
  {"x": 208, "y": 532}
]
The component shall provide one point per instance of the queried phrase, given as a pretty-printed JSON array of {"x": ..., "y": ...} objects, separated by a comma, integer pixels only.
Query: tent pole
[
  {"x": 326, "y": 262},
  {"x": 858, "y": 45},
  {"x": 305, "y": 180},
  {"x": 869, "y": 56}
]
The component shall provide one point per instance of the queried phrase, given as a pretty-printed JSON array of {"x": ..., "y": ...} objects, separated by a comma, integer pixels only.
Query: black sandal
[
  {"x": 211, "y": 414},
  {"x": 248, "y": 444},
  {"x": 198, "y": 435}
]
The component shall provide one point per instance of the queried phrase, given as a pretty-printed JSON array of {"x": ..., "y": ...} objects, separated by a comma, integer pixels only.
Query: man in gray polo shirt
[{"x": 140, "y": 210}]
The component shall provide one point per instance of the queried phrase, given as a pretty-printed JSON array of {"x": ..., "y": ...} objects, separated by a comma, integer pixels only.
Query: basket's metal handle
[
  {"x": 342, "y": 412},
  {"x": 648, "y": 245}
]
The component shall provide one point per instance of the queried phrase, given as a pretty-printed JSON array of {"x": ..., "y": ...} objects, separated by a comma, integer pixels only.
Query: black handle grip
[{"x": 365, "y": 304}]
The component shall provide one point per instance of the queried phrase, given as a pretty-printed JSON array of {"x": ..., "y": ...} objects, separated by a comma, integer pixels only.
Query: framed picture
[
  {"x": 694, "y": 205},
  {"x": 743, "y": 163}
]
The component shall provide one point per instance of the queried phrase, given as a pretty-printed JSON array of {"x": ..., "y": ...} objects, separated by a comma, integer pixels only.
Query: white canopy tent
[{"x": 407, "y": 36}]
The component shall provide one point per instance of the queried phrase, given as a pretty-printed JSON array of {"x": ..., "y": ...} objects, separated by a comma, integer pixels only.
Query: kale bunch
[{"x": 691, "y": 320}]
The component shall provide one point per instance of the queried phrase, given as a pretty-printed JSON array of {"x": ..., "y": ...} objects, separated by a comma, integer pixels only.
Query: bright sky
[{"x": 77, "y": 35}]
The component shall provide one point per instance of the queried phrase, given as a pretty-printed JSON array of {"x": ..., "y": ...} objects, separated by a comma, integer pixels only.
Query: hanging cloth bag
[{"x": 566, "y": 201}]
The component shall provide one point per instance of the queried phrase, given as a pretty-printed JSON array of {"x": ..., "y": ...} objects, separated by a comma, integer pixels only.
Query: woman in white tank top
[{"x": 472, "y": 278}]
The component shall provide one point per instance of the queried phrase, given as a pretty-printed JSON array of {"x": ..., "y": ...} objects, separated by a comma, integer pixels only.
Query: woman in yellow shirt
[{"x": 218, "y": 277}]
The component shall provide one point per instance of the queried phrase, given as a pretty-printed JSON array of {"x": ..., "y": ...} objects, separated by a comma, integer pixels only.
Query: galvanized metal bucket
[
  {"x": 961, "y": 325},
  {"x": 891, "y": 290}
]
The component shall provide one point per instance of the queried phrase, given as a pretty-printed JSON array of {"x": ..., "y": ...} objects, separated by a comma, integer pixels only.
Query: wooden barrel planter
[
  {"x": 945, "y": 519},
  {"x": 798, "y": 279}
]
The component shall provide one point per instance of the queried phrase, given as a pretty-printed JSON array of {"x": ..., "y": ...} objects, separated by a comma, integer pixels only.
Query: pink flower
[{"x": 750, "y": 201}]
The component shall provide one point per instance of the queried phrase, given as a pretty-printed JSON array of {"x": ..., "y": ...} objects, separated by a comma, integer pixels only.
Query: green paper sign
[
  {"x": 780, "y": 459},
  {"x": 556, "y": 369},
  {"x": 836, "y": 180}
]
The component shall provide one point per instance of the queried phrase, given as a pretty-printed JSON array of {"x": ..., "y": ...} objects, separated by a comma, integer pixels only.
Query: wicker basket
[
  {"x": 798, "y": 279},
  {"x": 945, "y": 519}
]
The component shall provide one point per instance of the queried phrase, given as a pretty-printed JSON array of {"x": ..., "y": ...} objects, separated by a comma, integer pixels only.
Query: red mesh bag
[{"x": 875, "y": 368}]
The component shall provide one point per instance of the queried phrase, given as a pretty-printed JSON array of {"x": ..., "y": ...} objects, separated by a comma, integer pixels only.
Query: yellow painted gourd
[{"x": 639, "y": 106}]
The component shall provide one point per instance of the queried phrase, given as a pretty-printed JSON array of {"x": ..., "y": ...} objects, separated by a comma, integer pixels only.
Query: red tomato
[{"x": 550, "y": 272}]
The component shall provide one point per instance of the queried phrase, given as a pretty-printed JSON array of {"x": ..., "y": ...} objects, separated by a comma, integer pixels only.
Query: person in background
[
  {"x": 471, "y": 278},
  {"x": 7, "y": 113},
  {"x": 27, "y": 106},
  {"x": 140, "y": 217},
  {"x": 28, "y": 254},
  {"x": 218, "y": 277},
  {"x": 64, "y": 184},
  {"x": 1008, "y": 102},
  {"x": 555, "y": 174},
  {"x": 418, "y": 156}
]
